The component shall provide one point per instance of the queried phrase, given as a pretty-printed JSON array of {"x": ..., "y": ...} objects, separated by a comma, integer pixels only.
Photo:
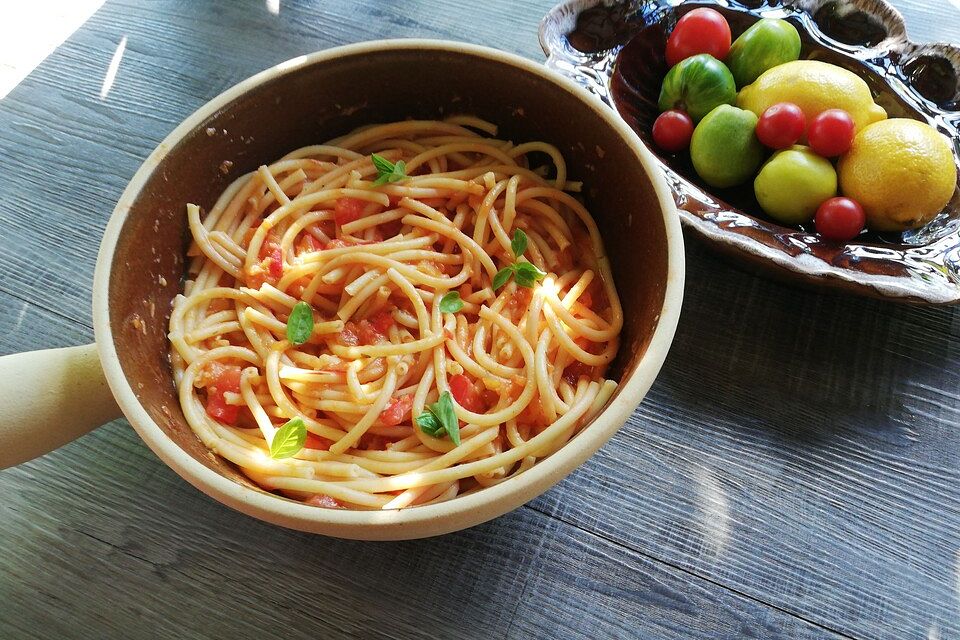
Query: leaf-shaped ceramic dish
[{"x": 615, "y": 48}]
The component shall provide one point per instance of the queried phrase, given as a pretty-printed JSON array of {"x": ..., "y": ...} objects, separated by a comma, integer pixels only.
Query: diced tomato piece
[
  {"x": 271, "y": 258},
  {"x": 397, "y": 411},
  {"x": 466, "y": 394},
  {"x": 520, "y": 298},
  {"x": 489, "y": 397},
  {"x": 269, "y": 245},
  {"x": 382, "y": 321},
  {"x": 347, "y": 210},
  {"x": 322, "y": 500},
  {"x": 256, "y": 278},
  {"x": 365, "y": 331},
  {"x": 349, "y": 336},
  {"x": 533, "y": 414},
  {"x": 219, "y": 304},
  {"x": 575, "y": 371},
  {"x": 276, "y": 263},
  {"x": 390, "y": 229},
  {"x": 372, "y": 442},
  {"x": 314, "y": 441},
  {"x": 307, "y": 244},
  {"x": 223, "y": 379},
  {"x": 368, "y": 333}
]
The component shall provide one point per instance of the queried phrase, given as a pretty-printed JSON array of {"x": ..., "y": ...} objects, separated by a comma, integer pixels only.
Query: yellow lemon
[
  {"x": 901, "y": 171},
  {"x": 813, "y": 86}
]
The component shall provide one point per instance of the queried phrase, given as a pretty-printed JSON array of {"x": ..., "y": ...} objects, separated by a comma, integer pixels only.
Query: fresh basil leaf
[
  {"x": 532, "y": 269},
  {"x": 288, "y": 439},
  {"x": 451, "y": 302},
  {"x": 518, "y": 244},
  {"x": 429, "y": 423},
  {"x": 454, "y": 432},
  {"x": 440, "y": 418},
  {"x": 527, "y": 274},
  {"x": 443, "y": 409},
  {"x": 300, "y": 323},
  {"x": 381, "y": 164},
  {"x": 502, "y": 276},
  {"x": 524, "y": 280},
  {"x": 388, "y": 171}
]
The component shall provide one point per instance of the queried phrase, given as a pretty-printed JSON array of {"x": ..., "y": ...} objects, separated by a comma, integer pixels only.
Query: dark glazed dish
[{"x": 616, "y": 50}]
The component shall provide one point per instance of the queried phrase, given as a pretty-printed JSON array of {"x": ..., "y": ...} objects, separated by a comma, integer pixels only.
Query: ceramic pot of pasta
[{"x": 384, "y": 291}]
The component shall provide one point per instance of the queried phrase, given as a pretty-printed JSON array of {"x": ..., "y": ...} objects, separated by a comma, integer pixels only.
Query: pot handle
[{"x": 49, "y": 398}]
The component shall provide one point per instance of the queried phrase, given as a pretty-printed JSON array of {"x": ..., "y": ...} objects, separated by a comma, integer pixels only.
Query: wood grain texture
[
  {"x": 794, "y": 472},
  {"x": 112, "y": 560}
]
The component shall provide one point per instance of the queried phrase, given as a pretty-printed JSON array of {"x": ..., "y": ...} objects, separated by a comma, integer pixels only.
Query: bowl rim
[{"x": 420, "y": 521}]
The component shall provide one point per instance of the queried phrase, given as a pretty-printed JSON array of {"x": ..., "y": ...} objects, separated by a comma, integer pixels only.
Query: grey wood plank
[
  {"x": 799, "y": 451},
  {"x": 100, "y": 553},
  {"x": 815, "y": 465}
]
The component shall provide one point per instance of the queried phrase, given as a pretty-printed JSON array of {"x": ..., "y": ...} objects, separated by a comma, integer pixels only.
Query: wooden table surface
[{"x": 793, "y": 473}]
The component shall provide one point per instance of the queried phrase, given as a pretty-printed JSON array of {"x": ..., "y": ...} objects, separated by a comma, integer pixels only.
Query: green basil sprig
[
  {"x": 440, "y": 418},
  {"x": 288, "y": 440},
  {"x": 388, "y": 171},
  {"x": 525, "y": 274},
  {"x": 300, "y": 323},
  {"x": 451, "y": 302}
]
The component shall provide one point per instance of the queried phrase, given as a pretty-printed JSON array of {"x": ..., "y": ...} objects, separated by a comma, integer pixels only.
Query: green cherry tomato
[
  {"x": 794, "y": 183},
  {"x": 697, "y": 85},
  {"x": 724, "y": 149},
  {"x": 766, "y": 44}
]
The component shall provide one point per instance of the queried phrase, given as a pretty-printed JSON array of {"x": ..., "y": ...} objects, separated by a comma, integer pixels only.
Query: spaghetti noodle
[{"x": 442, "y": 271}]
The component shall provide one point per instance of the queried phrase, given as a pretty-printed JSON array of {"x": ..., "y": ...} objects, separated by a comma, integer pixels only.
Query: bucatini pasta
[{"x": 407, "y": 313}]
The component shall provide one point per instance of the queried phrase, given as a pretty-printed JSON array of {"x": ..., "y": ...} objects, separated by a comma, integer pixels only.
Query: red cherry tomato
[
  {"x": 672, "y": 130},
  {"x": 840, "y": 219},
  {"x": 781, "y": 125},
  {"x": 700, "y": 31},
  {"x": 831, "y": 133}
]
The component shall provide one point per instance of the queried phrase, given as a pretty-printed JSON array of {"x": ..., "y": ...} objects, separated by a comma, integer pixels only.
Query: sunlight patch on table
[
  {"x": 714, "y": 512},
  {"x": 273, "y": 6},
  {"x": 30, "y": 31},
  {"x": 112, "y": 68}
]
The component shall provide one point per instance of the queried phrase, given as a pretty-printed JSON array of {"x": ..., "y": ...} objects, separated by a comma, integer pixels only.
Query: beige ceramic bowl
[{"x": 51, "y": 397}]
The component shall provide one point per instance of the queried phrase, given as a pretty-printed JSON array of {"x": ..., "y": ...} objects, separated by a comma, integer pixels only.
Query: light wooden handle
[{"x": 48, "y": 398}]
